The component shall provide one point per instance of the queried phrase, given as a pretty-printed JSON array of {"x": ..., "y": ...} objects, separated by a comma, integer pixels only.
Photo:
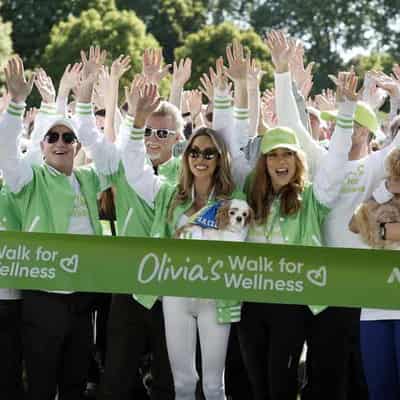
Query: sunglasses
[
  {"x": 209, "y": 153},
  {"x": 67, "y": 137},
  {"x": 160, "y": 133}
]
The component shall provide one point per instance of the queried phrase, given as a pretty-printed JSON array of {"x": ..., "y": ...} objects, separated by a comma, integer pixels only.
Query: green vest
[
  {"x": 46, "y": 203},
  {"x": 134, "y": 216},
  {"x": 302, "y": 228}
]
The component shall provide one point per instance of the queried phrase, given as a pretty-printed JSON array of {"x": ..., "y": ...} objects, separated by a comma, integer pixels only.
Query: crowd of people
[{"x": 83, "y": 164}]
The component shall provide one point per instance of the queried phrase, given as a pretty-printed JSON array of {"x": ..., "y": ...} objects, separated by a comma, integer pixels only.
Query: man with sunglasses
[
  {"x": 135, "y": 322},
  {"x": 54, "y": 198}
]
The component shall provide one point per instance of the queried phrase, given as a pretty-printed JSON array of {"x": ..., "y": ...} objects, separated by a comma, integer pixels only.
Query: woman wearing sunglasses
[{"x": 205, "y": 178}]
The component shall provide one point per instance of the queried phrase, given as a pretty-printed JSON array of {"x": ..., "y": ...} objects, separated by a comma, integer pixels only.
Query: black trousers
[
  {"x": 272, "y": 338},
  {"x": 56, "y": 342},
  {"x": 132, "y": 330},
  {"x": 11, "y": 387},
  {"x": 237, "y": 384}
]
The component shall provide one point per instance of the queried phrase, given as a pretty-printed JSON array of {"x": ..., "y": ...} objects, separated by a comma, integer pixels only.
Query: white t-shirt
[
  {"x": 362, "y": 177},
  {"x": 80, "y": 222},
  {"x": 269, "y": 232}
]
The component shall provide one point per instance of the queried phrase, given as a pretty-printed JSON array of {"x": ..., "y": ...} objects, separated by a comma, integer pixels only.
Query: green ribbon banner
[{"x": 190, "y": 268}]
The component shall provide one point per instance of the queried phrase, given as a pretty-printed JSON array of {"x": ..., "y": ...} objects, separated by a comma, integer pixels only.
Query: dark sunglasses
[
  {"x": 160, "y": 133},
  {"x": 209, "y": 153},
  {"x": 67, "y": 137}
]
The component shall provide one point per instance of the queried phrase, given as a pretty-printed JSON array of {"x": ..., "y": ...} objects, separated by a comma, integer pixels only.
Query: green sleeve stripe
[
  {"x": 137, "y": 138},
  {"x": 344, "y": 126},
  {"x": 14, "y": 113},
  {"x": 86, "y": 106},
  {"x": 344, "y": 119},
  {"x": 15, "y": 107},
  {"x": 222, "y": 107},
  {"x": 241, "y": 118},
  {"x": 222, "y": 102},
  {"x": 84, "y": 113}
]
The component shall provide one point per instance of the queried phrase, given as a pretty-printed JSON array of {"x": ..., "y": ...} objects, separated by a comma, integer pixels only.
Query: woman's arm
[{"x": 288, "y": 114}]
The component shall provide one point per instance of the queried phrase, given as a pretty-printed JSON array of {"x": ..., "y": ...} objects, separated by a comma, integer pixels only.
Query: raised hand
[
  {"x": 302, "y": 75},
  {"x": 90, "y": 72},
  {"x": 120, "y": 66},
  {"x": 221, "y": 82},
  {"x": 132, "y": 94},
  {"x": 268, "y": 99},
  {"x": 388, "y": 83},
  {"x": 207, "y": 83},
  {"x": 254, "y": 75},
  {"x": 182, "y": 72},
  {"x": 147, "y": 103},
  {"x": 18, "y": 87},
  {"x": 280, "y": 50},
  {"x": 326, "y": 101},
  {"x": 45, "y": 86},
  {"x": 238, "y": 62},
  {"x": 194, "y": 103},
  {"x": 152, "y": 66},
  {"x": 346, "y": 86},
  {"x": 29, "y": 118},
  {"x": 93, "y": 64},
  {"x": 102, "y": 88},
  {"x": 70, "y": 79}
]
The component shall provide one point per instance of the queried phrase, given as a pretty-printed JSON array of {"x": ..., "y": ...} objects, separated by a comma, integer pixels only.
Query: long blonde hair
[
  {"x": 262, "y": 194},
  {"x": 222, "y": 179}
]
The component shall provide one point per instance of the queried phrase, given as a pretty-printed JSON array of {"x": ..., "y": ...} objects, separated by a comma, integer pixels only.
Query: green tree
[
  {"x": 32, "y": 21},
  {"x": 5, "y": 45},
  {"x": 205, "y": 46},
  {"x": 118, "y": 32},
  {"x": 326, "y": 27},
  {"x": 170, "y": 21},
  {"x": 375, "y": 61},
  {"x": 237, "y": 10}
]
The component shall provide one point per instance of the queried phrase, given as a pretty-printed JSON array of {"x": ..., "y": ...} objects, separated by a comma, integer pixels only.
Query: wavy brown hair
[
  {"x": 262, "y": 194},
  {"x": 223, "y": 181}
]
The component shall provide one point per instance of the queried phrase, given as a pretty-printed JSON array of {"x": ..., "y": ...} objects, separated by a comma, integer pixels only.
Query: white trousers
[{"x": 182, "y": 318}]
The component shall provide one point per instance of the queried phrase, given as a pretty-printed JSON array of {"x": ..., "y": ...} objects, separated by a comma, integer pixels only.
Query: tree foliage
[
  {"x": 119, "y": 32},
  {"x": 170, "y": 21},
  {"x": 375, "y": 61},
  {"x": 205, "y": 46},
  {"x": 5, "y": 44},
  {"x": 326, "y": 27}
]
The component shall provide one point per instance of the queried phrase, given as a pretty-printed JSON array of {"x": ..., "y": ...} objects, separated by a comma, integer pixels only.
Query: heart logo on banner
[
  {"x": 318, "y": 276},
  {"x": 70, "y": 264}
]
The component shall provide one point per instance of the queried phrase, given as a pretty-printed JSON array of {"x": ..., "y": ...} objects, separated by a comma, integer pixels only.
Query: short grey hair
[{"x": 168, "y": 109}]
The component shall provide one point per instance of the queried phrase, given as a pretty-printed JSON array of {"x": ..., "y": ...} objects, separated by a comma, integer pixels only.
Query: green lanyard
[{"x": 273, "y": 218}]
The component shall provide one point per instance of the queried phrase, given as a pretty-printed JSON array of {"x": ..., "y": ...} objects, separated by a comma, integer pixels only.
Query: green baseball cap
[
  {"x": 279, "y": 137},
  {"x": 364, "y": 115}
]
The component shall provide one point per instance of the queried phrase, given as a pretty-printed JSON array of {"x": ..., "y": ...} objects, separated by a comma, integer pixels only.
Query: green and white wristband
[
  {"x": 16, "y": 109},
  {"x": 84, "y": 109}
]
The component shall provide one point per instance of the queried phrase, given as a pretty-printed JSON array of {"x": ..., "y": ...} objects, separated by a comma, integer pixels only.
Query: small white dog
[{"x": 232, "y": 221}]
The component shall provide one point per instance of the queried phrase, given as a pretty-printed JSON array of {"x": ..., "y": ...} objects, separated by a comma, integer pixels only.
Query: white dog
[{"x": 232, "y": 221}]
